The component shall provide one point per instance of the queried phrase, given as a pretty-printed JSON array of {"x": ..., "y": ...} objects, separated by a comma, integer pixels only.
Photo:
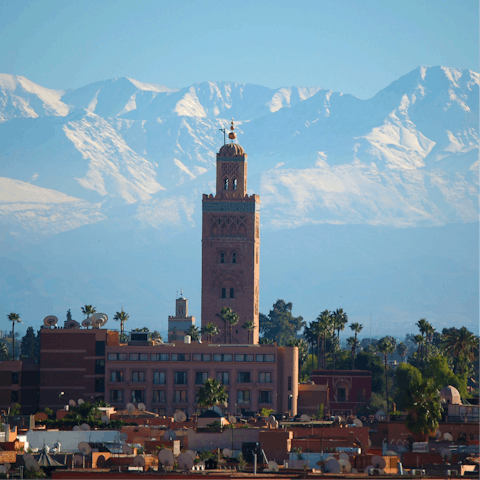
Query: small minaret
[{"x": 181, "y": 322}]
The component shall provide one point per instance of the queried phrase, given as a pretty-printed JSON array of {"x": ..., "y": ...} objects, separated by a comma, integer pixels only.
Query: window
[
  {"x": 265, "y": 358},
  {"x": 144, "y": 357},
  {"x": 248, "y": 357},
  {"x": 361, "y": 395},
  {"x": 225, "y": 184},
  {"x": 200, "y": 378},
  {"x": 341, "y": 395},
  {"x": 224, "y": 293},
  {"x": 232, "y": 293},
  {"x": 159, "y": 411},
  {"x": 116, "y": 396},
  {"x": 239, "y": 358},
  {"x": 223, "y": 378},
  {"x": 138, "y": 376},
  {"x": 207, "y": 357},
  {"x": 100, "y": 349},
  {"x": 159, "y": 357},
  {"x": 159, "y": 378},
  {"x": 133, "y": 357},
  {"x": 14, "y": 377},
  {"x": 122, "y": 356},
  {"x": 180, "y": 357},
  {"x": 264, "y": 396},
  {"x": 244, "y": 377},
  {"x": 265, "y": 377},
  {"x": 99, "y": 385},
  {"x": 222, "y": 258},
  {"x": 234, "y": 183},
  {"x": 138, "y": 396},
  {"x": 243, "y": 397},
  {"x": 234, "y": 257},
  {"x": 227, "y": 357},
  {"x": 180, "y": 378},
  {"x": 180, "y": 396},
  {"x": 112, "y": 357},
  {"x": 99, "y": 367},
  {"x": 116, "y": 376},
  {"x": 159, "y": 396},
  {"x": 289, "y": 381},
  {"x": 14, "y": 396}
]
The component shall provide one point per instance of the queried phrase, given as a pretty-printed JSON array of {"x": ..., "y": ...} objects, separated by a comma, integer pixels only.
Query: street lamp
[{"x": 60, "y": 395}]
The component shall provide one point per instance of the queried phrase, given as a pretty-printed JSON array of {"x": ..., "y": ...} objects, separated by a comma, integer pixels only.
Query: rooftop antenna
[{"x": 224, "y": 133}]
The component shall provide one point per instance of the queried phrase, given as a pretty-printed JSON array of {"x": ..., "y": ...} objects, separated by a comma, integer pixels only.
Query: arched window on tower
[
  {"x": 234, "y": 183},
  {"x": 234, "y": 257},
  {"x": 225, "y": 184},
  {"x": 224, "y": 293},
  {"x": 232, "y": 293},
  {"x": 222, "y": 258}
]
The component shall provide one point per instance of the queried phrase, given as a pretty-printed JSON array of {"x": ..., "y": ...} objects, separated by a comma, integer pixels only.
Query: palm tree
[
  {"x": 419, "y": 340},
  {"x": 223, "y": 315},
  {"x": 310, "y": 337},
  {"x": 248, "y": 326},
  {"x": 232, "y": 320},
  {"x": 460, "y": 344},
  {"x": 351, "y": 343},
  {"x": 266, "y": 341},
  {"x": 14, "y": 318},
  {"x": 212, "y": 393},
  {"x": 302, "y": 350},
  {"x": 325, "y": 319},
  {"x": 402, "y": 350},
  {"x": 340, "y": 319},
  {"x": 121, "y": 317},
  {"x": 210, "y": 330},
  {"x": 88, "y": 310},
  {"x": 194, "y": 332},
  {"x": 356, "y": 328},
  {"x": 386, "y": 346},
  {"x": 155, "y": 336},
  {"x": 425, "y": 328}
]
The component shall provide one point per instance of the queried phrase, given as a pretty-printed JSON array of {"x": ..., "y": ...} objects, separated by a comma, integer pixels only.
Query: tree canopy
[{"x": 280, "y": 325}]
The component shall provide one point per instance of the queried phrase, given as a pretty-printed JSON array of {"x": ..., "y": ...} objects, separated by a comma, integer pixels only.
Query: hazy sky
[{"x": 357, "y": 46}]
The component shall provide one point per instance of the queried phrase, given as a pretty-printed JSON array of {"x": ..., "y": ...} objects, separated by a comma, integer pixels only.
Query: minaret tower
[{"x": 231, "y": 246}]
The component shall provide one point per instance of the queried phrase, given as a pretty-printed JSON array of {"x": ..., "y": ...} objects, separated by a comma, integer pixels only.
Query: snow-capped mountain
[{"x": 121, "y": 155}]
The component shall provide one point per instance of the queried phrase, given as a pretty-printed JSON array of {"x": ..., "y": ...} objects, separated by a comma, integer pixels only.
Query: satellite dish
[
  {"x": 369, "y": 443},
  {"x": 379, "y": 414},
  {"x": 127, "y": 449},
  {"x": 72, "y": 324},
  {"x": 180, "y": 416},
  {"x": 105, "y": 419},
  {"x": 76, "y": 428},
  {"x": 99, "y": 319},
  {"x": 50, "y": 321},
  {"x": 446, "y": 453},
  {"x": 378, "y": 462},
  {"x": 170, "y": 435},
  {"x": 438, "y": 434},
  {"x": 32, "y": 464},
  {"x": 357, "y": 422},
  {"x": 78, "y": 460},
  {"x": 138, "y": 461},
  {"x": 332, "y": 466},
  {"x": 226, "y": 452},
  {"x": 26, "y": 456},
  {"x": 344, "y": 456},
  {"x": 194, "y": 455},
  {"x": 345, "y": 465},
  {"x": 84, "y": 447},
  {"x": 165, "y": 457},
  {"x": 72, "y": 403},
  {"x": 305, "y": 418},
  {"x": 232, "y": 419},
  {"x": 448, "y": 437},
  {"x": 272, "y": 466},
  {"x": 142, "y": 407},
  {"x": 81, "y": 401},
  {"x": 86, "y": 323},
  {"x": 130, "y": 407},
  {"x": 369, "y": 469},
  {"x": 185, "y": 462},
  {"x": 85, "y": 427}
]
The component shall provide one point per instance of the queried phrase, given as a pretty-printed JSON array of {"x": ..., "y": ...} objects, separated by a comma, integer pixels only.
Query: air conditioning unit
[{"x": 417, "y": 471}]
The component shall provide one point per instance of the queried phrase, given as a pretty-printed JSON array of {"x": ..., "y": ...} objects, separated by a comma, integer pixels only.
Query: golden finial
[{"x": 232, "y": 135}]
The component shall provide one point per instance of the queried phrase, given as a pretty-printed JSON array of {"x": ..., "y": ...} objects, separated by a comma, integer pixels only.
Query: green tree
[
  {"x": 210, "y": 330},
  {"x": 4, "y": 355},
  {"x": 402, "y": 350},
  {"x": 121, "y": 317},
  {"x": 460, "y": 344},
  {"x": 212, "y": 393},
  {"x": 422, "y": 402},
  {"x": 155, "y": 336},
  {"x": 280, "y": 325},
  {"x": 224, "y": 314},
  {"x": 386, "y": 346},
  {"x": 340, "y": 320},
  {"x": 356, "y": 329},
  {"x": 194, "y": 333},
  {"x": 438, "y": 370},
  {"x": 249, "y": 327},
  {"x": 29, "y": 347},
  {"x": 232, "y": 320},
  {"x": 371, "y": 362},
  {"x": 325, "y": 327},
  {"x": 302, "y": 350},
  {"x": 14, "y": 318},
  {"x": 405, "y": 375}
]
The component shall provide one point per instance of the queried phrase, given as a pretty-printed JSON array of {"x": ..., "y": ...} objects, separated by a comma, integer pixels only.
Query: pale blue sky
[{"x": 355, "y": 47}]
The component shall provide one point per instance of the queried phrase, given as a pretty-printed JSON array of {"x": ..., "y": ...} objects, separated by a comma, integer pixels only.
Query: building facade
[
  {"x": 181, "y": 322},
  {"x": 19, "y": 384},
  {"x": 231, "y": 246}
]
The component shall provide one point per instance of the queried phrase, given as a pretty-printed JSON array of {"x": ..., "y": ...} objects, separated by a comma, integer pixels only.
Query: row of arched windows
[
  {"x": 226, "y": 184},
  {"x": 224, "y": 293}
]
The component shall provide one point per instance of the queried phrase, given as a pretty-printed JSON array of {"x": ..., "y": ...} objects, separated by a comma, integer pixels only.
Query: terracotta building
[
  {"x": 19, "y": 383},
  {"x": 231, "y": 246}
]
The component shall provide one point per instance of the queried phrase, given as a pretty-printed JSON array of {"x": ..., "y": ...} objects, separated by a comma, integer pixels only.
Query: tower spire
[{"x": 232, "y": 135}]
